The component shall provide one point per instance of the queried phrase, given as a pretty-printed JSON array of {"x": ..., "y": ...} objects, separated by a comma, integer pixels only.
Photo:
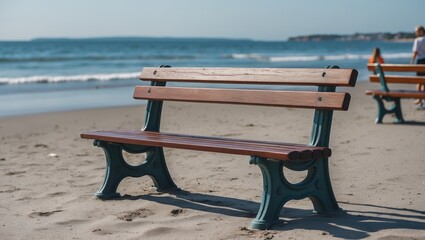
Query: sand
[{"x": 48, "y": 176}]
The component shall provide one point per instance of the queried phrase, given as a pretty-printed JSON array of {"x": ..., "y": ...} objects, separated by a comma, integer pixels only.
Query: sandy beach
[{"x": 48, "y": 176}]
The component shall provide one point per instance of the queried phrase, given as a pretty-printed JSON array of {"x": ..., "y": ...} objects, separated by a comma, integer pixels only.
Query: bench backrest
[
  {"x": 324, "y": 100},
  {"x": 381, "y": 76},
  {"x": 302, "y": 99},
  {"x": 402, "y": 79}
]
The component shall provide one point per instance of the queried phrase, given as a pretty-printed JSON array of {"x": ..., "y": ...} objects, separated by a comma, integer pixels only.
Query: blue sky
[{"x": 253, "y": 19}]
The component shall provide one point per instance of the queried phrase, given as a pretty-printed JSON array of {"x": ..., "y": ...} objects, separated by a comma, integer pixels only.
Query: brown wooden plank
[
  {"x": 163, "y": 141},
  {"x": 307, "y": 153},
  {"x": 273, "y": 76},
  {"x": 399, "y": 79},
  {"x": 315, "y": 152},
  {"x": 231, "y": 146},
  {"x": 397, "y": 93},
  {"x": 299, "y": 99},
  {"x": 398, "y": 67},
  {"x": 201, "y": 140}
]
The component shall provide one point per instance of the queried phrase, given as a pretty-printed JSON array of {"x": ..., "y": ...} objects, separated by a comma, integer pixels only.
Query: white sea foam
[
  {"x": 247, "y": 56},
  {"x": 294, "y": 59},
  {"x": 64, "y": 78},
  {"x": 397, "y": 55},
  {"x": 310, "y": 58}
]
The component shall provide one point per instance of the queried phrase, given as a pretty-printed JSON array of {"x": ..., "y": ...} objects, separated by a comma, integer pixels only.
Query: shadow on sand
[
  {"x": 407, "y": 123},
  {"x": 349, "y": 224}
]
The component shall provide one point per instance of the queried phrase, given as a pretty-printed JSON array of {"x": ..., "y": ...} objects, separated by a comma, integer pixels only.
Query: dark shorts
[{"x": 420, "y": 61}]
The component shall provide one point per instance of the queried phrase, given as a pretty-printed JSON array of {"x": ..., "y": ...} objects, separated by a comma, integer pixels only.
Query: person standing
[{"x": 419, "y": 54}]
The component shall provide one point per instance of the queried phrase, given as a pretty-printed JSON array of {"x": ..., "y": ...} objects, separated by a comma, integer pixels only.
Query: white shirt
[{"x": 419, "y": 46}]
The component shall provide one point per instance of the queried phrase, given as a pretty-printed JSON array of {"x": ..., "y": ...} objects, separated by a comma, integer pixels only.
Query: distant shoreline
[
  {"x": 390, "y": 37},
  {"x": 387, "y": 37}
]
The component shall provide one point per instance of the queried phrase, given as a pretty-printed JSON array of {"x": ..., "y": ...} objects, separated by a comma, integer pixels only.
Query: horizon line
[
  {"x": 134, "y": 37},
  {"x": 191, "y": 37}
]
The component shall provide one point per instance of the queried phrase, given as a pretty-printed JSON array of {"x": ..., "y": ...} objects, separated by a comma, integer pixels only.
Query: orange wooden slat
[
  {"x": 399, "y": 79},
  {"x": 299, "y": 99},
  {"x": 277, "y": 76},
  {"x": 398, "y": 67}
]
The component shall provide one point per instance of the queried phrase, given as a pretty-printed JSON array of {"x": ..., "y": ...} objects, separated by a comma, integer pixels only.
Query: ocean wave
[
  {"x": 93, "y": 58},
  {"x": 248, "y": 56},
  {"x": 294, "y": 59},
  {"x": 78, "y": 78},
  {"x": 309, "y": 58},
  {"x": 397, "y": 55}
]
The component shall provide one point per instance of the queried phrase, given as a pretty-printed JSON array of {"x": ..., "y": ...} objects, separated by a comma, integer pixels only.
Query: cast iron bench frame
[
  {"x": 394, "y": 96},
  {"x": 271, "y": 157}
]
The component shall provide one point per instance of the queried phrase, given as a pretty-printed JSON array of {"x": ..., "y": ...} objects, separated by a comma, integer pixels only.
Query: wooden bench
[
  {"x": 271, "y": 157},
  {"x": 394, "y": 96}
]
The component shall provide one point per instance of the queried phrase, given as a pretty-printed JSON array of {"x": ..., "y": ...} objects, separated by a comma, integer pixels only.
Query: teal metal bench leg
[
  {"x": 272, "y": 199},
  {"x": 114, "y": 170},
  {"x": 158, "y": 171},
  {"x": 397, "y": 110},
  {"x": 277, "y": 190},
  {"x": 382, "y": 111},
  {"x": 322, "y": 195},
  {"x": 117, "y": 169}
]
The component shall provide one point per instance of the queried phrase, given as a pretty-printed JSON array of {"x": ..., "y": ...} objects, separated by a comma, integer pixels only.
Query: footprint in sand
[
  {"x": 131, "y": 215},
  {"x": 43, "y": 214},
  {"x": 14, "y": 173},
  {"x": 177, "y": 211},
  {"x": 9, "y": 189},
  {"x": 56, "y": 194},
  {"x": 99, "y": 231},
  {"x": 40, "y": 145}
]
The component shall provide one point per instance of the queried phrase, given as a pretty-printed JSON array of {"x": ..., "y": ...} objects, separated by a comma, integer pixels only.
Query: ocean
[{"x": 47, "y": 75}]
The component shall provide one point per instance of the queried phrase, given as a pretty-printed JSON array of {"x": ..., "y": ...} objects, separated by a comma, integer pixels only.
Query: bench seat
[{"x": 273, "y": 150}]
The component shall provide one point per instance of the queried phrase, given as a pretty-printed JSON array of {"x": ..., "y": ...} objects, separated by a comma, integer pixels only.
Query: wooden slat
[
  {"x": 280, "y": 151},
  {"x": 299, "y": 99},
  {"x": 277, "y": 76},
  {"x": 308, "y": 153},
  {"x": 398, "y": 67},
  {"x": 399, "y": 79},
  {"x": 397, "y": 93},
  {"x": 315, "y": 152}
]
